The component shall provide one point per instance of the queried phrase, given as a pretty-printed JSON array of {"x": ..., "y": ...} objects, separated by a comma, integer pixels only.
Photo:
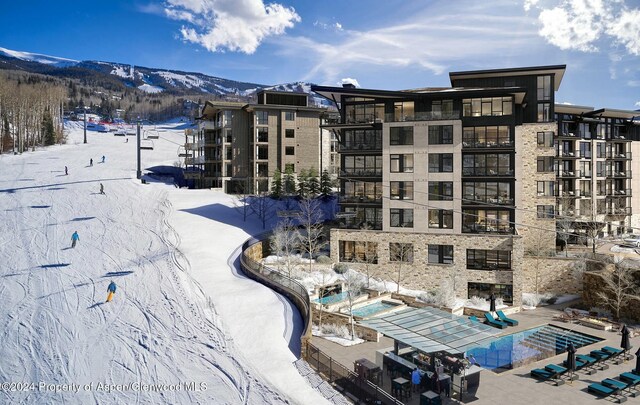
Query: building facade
[
  {"x": 458, "y": 184},
  {"x": 239, "y": 146}
]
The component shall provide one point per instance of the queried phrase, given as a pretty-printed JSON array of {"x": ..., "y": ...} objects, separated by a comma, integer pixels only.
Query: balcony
[
  {"x": 622, "y": 174},
  {"x": 363, "y": 119},
  {"x": 491, "y": 200},
  {"x": 584, "y": 193},
  {"x": 619, "y": 138},
  {"x": 585, "y": 173},
  {"x": 209, "y": 125},
  {"x": 568, "y": 155},
  {"x": 612, "y": 155},
  {"x": 567, "y": 174},
  {"x": 423, "y": 116},
  {"x": 488, "y": 229},
  {"x": 567, "y": 134},
  {"x": 506, "y": 144},
  {"x": 483, "y": 171},
  {"x": 356, "y": 199},
  {"x": 619, "y": 193},
  {"x": 200, "y": 160},
  {"x": 618, "y": 211},
  {"x": 361, "y": 173},
  {"x": 356, "y": 147},
  {"x": 567, "y": 194}
]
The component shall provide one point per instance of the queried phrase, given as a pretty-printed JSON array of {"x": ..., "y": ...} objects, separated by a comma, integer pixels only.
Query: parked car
[{"x": 632, "y": 240}]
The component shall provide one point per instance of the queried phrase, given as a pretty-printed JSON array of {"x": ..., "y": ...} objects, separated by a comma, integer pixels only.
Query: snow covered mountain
[{"x": 150, "y": 80}]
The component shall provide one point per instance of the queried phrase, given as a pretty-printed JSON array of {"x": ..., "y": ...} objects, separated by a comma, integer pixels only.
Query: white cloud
[
  {"x": 348, "y": 80},
  {"x": 447, "y": 39},
  {"x": 585, "y": 25},
  {"x": 235, "y": 25},
  {"x": 637, "y": 104},
  {"x": 335, "y": 26}
]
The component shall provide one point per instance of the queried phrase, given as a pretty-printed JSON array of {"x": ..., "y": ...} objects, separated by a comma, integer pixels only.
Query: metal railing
[
  {"x": 423, "y": 116},
  {"x": 347, "y": 380},
  {"x": 329, "y": 369}
]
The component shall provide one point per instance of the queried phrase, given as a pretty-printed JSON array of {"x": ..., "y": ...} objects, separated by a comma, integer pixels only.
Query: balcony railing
[
  {"x": 360, "y": 199},
  {"x": 567, "y": 134},
  {"x": 584, "y": 193},
  {"x": 200, "y": 160},
  {"x": 618, "y": 155},
  {"x": 423, "y": 116},
  {"x": 619, "y": 138},
  {"x": 619, "y": 174},
  {"x": 483, "y": 171},
  {"x": 362, "y": 172},
  {"x": 619, "y": 193},
  {"x": 361, "y": 146},
  {"x": 490, "y": 229},
  {"x": 489, "y": 144},
  {"x": 618, "y": 210},
  {"x": 567, "y": 173},
  {"x": 568, "y": 193},
  {"x": 363, "y": 119},
  {"x": 487, "y": 200},
  {"x": 569, "y": 154}
]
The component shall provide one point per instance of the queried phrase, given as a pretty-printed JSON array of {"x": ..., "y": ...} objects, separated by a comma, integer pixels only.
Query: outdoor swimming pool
[
  {"x": 518, "y": 349},
  {"x": 371, "y": 309},
  {"x": 332, "y": 299}
]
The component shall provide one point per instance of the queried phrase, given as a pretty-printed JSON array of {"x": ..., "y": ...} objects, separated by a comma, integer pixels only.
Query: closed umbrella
[
  {"x": 625, "y": 344},
  {"x": 571, "y": 360},
  {"x": 492, "y": 303},
  {"x": 637, "y": 370}
]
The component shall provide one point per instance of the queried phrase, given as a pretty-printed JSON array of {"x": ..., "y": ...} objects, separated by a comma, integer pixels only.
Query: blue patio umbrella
[{"x": 571, "y": 359}]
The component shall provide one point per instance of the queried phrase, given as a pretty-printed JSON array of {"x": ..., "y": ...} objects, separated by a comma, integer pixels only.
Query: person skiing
[
  {"x": 91, "y": 162},
  {"x": 111, "y": 290},
  {"x": 74, "y": 239},
  {"x": 101, "y": 189},
  {"x": 102, "y": 158},
  {"x": 126, "y": 140},
  {"x": 66, "y": 171}
]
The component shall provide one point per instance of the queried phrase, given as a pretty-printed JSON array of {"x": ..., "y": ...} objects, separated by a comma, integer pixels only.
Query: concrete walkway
[{"x": 515, "y": 386}]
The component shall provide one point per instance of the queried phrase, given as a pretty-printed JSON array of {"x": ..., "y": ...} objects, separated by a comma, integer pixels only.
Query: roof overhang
[
  {"x": 433, "y": 330},
  {"x": 571, "y": 109},
  {"x": 613, "y": 113},
  {"x": 556, "y": 70}
]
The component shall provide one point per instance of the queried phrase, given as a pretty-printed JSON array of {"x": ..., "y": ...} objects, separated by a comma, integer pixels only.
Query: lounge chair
[
  {"x": 489, "y": 319},
  {"x": 550, "y": 372},
  {"x": 615, "y": 384},
  {"x": 589, "y": 362},
  {"x": 506, "y": 319},
  {"x": 474, "y": 318},
  {"x": 630, "y": 378},
  {"x": 601, "y": 390},
  {"x": 614, "y": 352}
]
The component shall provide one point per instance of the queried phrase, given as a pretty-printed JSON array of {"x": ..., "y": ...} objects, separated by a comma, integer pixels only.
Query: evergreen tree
[
  {"x": 289, "y": 181},
  {"x": 313, "y": 183},
  {"x": 326, "y": 184},
  {"x": 276, "y": 184},
  {"x": 303, "y": 186},
  {"x": 48, "y": 132}
]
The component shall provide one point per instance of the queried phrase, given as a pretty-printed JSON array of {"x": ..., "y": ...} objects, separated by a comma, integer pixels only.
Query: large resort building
[
  {"x": 460, "y": 184},
  {"x": 239, "y": 146}
]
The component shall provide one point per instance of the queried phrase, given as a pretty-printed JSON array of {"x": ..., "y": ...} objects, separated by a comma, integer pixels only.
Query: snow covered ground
[{"x": 182, "y": 315}]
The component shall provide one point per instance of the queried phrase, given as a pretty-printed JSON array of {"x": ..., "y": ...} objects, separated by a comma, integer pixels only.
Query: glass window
[
  {"x": 401, "y": 136},
  {"x": 289, "y": 150},
  {"x": 544, "y": 112},
  {"x": 545, "y": 164},
  {"x": 403, "y": 111},
  {"x": 263, "y": 134},
  {"x": 545, "y": 138},
  {"x": 350, "y": 251},
  {"x": 441, "y": 254},
  {"x": 442, "y": 219},
  {"x": 289, "y": 115},
  {"x": 544, "y": 88},
  {"x": 401, "y": 218},
  {"x": 401, "y": 190},
  {"x": 401, "y": 163},
  {"x": 487, "y": 106},
  {"x": 289, "y": 133},
  {"x": 262, "y": 117},
  {"x": 440, "y": 162},
  {"x": 546, "y": 211},
  {"x": 440, "y": 134},
  {"x": 546, "y": 188},
  {"x": 440, "y": 190},
  {"x": 401, "y": 252},
  {"x": 478, "y": 259}
]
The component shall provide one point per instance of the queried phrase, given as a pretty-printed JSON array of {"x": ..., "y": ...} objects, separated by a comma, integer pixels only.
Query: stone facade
[
  {"x": 539, "y": 234},
  {"x": 429, "y": 276},
  {"x": 340, "y": 319},
  {"x": 557, "y": 275}
]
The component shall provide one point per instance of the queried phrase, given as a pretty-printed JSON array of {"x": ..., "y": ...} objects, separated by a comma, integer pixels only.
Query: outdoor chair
[
  {"x": 601, "y": 390},
  {"x": 549, "y": 372},
  {"x": 630, "y": 378},
  {"x": 490, "y": 320},
  {"x": 589, "y": 362},
  {"x": 614, "y": 352},
  {"x": 506, "y": 319},
  {"x": 474, "y": 318},
  {"x": 602, "y": 357},
  {"x": 615, "y": 384}
]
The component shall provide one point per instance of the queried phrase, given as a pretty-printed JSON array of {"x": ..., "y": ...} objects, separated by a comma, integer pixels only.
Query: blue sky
[{"x": 386, "y": 44}]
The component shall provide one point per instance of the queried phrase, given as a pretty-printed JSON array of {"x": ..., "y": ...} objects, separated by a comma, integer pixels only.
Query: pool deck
[{"x": 514, "y": 386}]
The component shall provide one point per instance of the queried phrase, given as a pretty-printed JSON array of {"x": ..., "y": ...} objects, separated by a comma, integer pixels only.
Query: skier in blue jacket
[
  {"x": 74, "y": 239},
  {"x": 111, "y": 290}
]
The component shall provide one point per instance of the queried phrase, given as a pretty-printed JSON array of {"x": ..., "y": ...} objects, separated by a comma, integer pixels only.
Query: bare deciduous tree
[
  {"x": 366, "y": 263},
  {"x": 400, "y": 253},
  {"x": 321, "y": 277},
  {"x": 310, "y": 218},
  {"x": 284, "y": 243},
  {"x": 262, "y": 206},
  {"x": 619, "y": 285},
  {"x": 353, "y": 284},
  {"x": 538, "y": 250}
]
